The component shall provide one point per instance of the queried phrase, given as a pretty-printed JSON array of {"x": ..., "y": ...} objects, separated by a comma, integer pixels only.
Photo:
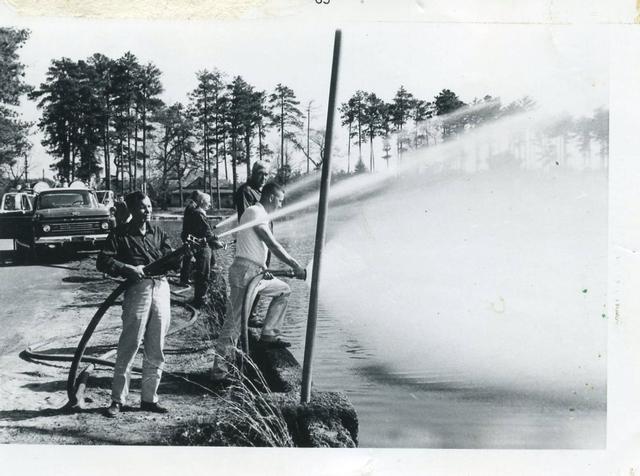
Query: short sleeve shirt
[{"x": 249, "y": 245}]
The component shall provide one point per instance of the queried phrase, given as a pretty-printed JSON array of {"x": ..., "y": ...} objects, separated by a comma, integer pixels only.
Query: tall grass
[{"x": 246, "y": 415}]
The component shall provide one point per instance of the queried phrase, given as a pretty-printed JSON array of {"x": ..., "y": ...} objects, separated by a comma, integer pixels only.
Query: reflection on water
[{"x": 418, "y": 406}]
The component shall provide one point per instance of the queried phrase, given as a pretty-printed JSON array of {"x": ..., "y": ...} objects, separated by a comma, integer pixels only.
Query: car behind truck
[{"x": 61, "y": 218}]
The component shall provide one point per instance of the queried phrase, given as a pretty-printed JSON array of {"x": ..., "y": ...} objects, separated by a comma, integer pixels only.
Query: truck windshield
[{"x": 67, "y": 199}]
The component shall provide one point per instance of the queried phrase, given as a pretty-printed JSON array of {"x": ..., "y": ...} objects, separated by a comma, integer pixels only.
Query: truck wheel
[{"x": 34, "y": 254}]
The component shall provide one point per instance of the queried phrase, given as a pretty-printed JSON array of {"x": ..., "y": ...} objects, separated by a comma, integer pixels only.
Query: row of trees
[
  {"x": 367, "y": 117},
  {"x": 102, "y": 113},
  {"x": 415, "y": 122}
]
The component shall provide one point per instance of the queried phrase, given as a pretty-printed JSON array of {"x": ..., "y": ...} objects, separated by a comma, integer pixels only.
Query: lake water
[
  {"x": 416, "y": 406},
  {"x": 445, "y": 366}
]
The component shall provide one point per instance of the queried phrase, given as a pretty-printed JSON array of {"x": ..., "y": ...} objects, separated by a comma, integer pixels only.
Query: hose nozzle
[{"x": 287, "y": 273}]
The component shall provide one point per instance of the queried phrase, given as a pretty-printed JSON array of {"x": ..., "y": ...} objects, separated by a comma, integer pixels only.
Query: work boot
[
  {"x": 113, "y": 410},
  {"x": 152, "y": 407},
  {"x": 274, "y": 342},
  {"x": 255, "y": 321}
]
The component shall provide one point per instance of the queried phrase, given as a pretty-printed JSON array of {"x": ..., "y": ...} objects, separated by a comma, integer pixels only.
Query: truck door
[{"x": 16, "y": 217}]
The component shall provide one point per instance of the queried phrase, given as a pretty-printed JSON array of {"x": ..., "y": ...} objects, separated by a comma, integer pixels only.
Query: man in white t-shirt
[{"x": 250, "y": 260}]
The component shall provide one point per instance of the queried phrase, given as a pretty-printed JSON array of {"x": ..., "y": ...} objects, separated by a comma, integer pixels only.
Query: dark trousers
[
  {"x": 185, "y": 269},
  {"x": 202, "y": 272}
]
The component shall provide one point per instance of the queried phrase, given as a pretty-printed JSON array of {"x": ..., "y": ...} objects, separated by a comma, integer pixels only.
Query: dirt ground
[{"x": 52, "y": 311}]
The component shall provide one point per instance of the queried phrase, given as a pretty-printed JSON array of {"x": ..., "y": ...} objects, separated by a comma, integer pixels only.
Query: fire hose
[
  {"x": 76, "y": 382},
  {"x": 250, "y": 295}
]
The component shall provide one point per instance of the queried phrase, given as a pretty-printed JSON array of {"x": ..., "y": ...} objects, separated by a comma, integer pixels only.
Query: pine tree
[
  {"x": 347, "y": 116},
  {"x": 206, "y": 104},
  {"x": 286, "y": 117},
  {"x": 14, "y": 142},
  {"x": 148, "y": 89},
  {"x": 446, "y": 102},
  {"x": 71, "y": 117},
  {"x": 373, "y": 122},
  {"x": 400, "y": 110}
]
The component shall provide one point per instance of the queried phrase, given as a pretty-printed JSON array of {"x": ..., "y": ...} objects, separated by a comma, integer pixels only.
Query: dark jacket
[
  {"x": 126, "y": 246},
  {"x": 195, "y": 223},
  {"x": 246, "y": 196}
]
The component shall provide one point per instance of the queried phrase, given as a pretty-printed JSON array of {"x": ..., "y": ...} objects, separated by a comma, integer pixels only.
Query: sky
[{"x": 564, "y": 68}]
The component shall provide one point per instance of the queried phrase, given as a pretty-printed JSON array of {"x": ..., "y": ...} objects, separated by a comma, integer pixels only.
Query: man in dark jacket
[
  {"x": 196, "y": 224},
  {"x": 248, "y": 194},
  {"x": 186, "y": 268},
  {"x": 146, "y": 310}
]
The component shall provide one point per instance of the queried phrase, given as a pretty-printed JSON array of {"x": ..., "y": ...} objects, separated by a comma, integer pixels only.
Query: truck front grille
[{"x": 76, "y": 227}]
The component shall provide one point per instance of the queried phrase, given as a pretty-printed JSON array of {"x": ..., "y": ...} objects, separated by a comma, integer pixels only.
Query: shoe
[
  {"x": 254, "y": 322},
  {"x": 113, "y": 410},
  {"x": 220, "y": 379},
  {"x": 183, "y": 285},
  {"x": 275, "y": 343},
  {"x": 152, "y": 407}
]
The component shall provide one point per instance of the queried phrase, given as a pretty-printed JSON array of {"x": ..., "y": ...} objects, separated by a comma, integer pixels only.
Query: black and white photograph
[{"x": 269, "y": 233}]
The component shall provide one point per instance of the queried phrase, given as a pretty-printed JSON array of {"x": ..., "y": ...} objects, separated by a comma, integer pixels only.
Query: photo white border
[{"x": 622, "y": 456}]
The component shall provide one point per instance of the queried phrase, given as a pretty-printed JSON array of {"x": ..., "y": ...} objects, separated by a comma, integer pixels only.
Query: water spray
[{"x": 297, "y": 185}]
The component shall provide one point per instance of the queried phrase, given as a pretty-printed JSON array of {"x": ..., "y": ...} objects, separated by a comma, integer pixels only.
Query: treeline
[
  {"x": 418, "y": 123},
  {"x": 103, "y": 111},
  {"x": 104, "y": 117}
]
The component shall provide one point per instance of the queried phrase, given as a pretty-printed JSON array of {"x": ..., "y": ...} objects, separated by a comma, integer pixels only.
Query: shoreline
[{"x": 33, "y": 414}]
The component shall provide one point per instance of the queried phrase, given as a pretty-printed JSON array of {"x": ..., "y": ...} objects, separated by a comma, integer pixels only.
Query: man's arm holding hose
[
  {"x": 264, "y": 233},
  {"x": 204, "y": 229},
  {"x": 107, "y": 261}
]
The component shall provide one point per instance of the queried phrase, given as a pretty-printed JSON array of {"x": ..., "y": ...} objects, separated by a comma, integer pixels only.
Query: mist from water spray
[
  {"x": 367, "y": 183},
  {"x": 466, "y": 271},
  {"x": 295, "y": 186}
]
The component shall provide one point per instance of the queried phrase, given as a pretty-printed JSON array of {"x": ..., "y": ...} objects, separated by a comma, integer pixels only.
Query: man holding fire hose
[
  {"x": 146, "y": 310},
  {"x": 252, "y": 246},
  {"x": 196, "y": 224}
]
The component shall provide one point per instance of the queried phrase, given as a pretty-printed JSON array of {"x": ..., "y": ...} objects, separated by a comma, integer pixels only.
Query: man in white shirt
[{"x": 251, "y": 253}]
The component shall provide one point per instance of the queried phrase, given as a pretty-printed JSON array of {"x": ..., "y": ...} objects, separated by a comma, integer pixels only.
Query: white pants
[
  {"x": 146, "y": 315},
  {"x": 241, "y": 272}
]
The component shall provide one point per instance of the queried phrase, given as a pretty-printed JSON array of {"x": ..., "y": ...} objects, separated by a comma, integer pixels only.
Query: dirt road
[{"x": 28, "y": 297}]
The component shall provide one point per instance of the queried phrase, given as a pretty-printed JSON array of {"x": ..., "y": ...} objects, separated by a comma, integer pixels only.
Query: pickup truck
[{"x": 60, "y": 218}]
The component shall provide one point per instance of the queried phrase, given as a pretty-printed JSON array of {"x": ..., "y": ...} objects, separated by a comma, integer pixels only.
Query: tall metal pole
[{"x": 325, "y": 180}]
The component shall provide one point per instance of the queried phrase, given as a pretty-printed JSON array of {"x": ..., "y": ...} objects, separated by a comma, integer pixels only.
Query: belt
[{"x": 242, "y": 260}]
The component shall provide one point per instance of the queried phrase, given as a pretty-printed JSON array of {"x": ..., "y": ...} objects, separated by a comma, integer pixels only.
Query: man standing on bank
[
  {"x": 186, "y": 267},
  {"x": 248, "y": 193},
  {"x": 196, "y": 224},
  {"x": 146, "y": 310},
  {"x": 250, "y": 260}
]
